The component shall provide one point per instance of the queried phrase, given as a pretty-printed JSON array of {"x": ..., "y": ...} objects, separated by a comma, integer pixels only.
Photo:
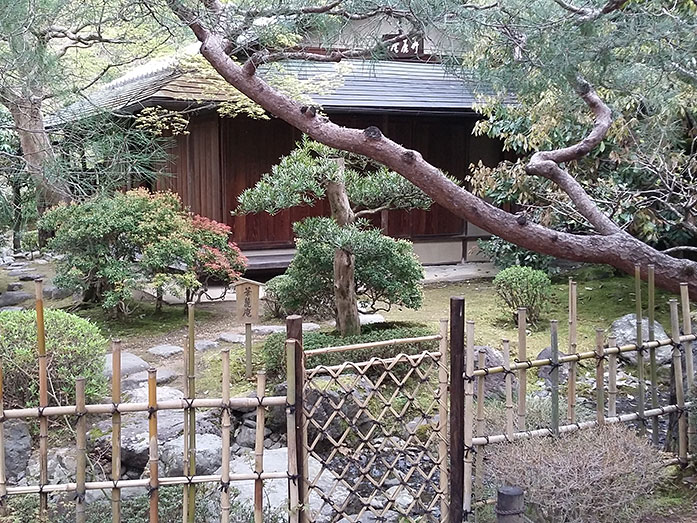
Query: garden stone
[
  {"x": 203, "y": 345},
  {"x": 231, "y": 337},
  {"x": 545, "y": 372},
  {"x": 165, "y": 351},
  {"x": 41, "y": 262},
  {"x": 61, "y": 465},
  {"x": 246, "y": 437},
  {"x": 402, "y": 498},
  {"x": 15, "y": 286},
  {"x": 624, "y": 332},
  {"x": 56, "y": 293},
  {"x": 265, "y": 330},
  {"x": 130, "y": 364},
  {"x": 310, "y": 327},
  {"x": 494, "y": 383},
  {"x": 135, "y": 380},
  {"x": 11, "y": 298},
  {"x": 31, "y": 276},
  {"x": 17, "y": 448},
  {"x": 15, "y": 308},
  {"x": 208, "y": 455},
  {"x": 14, "y": 273}
]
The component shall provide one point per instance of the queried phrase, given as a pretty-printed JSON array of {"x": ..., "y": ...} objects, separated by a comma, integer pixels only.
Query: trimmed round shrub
[
  {"x": 524, "y": 287},
  {"x": 274, "y": 354},
  {"x": 74, "y": 347}
]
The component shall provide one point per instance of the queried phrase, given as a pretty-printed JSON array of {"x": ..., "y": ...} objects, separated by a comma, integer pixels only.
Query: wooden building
[{"x": 417, "y": 104}]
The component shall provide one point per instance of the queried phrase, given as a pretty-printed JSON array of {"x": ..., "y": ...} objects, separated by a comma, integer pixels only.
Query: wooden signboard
[{"x": 247, "y": 293}]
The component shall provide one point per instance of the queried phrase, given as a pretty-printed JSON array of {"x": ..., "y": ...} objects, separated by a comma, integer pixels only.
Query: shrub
[
  {"x": 387, "y": 271},
  {"x": 74, "y": 347},
  {"x": 587, "y": 476},
  {"x": 524, "y": 287},
  {"x": 30, "y": 241},
  {"x": 116, "y": 244},
  {"x": 504, "y": 254},
  {"x": 273, "y": 351}
]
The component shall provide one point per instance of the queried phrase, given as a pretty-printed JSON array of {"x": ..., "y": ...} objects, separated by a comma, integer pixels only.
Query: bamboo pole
[
  {"x": 225, "y": 432},
  {"x": 189, "y": 505},
  {"x": 469, "y": 418},
  {"x": 600, "y": 377},
  {"x": 508, "y": 379},
  {"x": 294, "y": 331},
  {"x": 3, "y": 471},
  {"x": 442, "y": 419},
  {"x": 479, "y": 457},
  {"x": 554, "y": 375},
  {"x": 653, "y": 366},
  {"x": 248, "y": 350},
  {"x": 293, "y": 498},
  {"x": 116, "y": 430},
  {"x": 689, "y": 360},
  {"x": 641, "y": 380},
  {"x": 679, "y": 392},
  {"x": 457, "y": 408},
  {"x": 259, "y": 451},
  {"x": 81, "y": 437},
  {"x": 573, "y": 342},
  {"x": 612, "y": 381},
  {"x": 153, "y": 454},
  {"x": 522, "y": 374},
  {"x": 43, "y": 397}
]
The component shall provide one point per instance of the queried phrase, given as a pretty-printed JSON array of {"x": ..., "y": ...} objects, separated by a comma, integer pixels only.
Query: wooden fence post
[
  {"x": 554, "y": 375},
  {"x": 599, "y": 377},
  {"x": 641, "y": 385},
  {"x": 479, "y": 457},
  {"x": 291, "y": 402},
  {"x": 3, "y": 472},
  {"x": 116, "y": 430},
  {"x": 653, "y": 367},
  {"x": 43, "y": 398},
  {"x": 679, "y": 391},
  {"x": 81, "y": 438},
  {"x": 457, "y": 407},
  {"x": 225, "y": 432},
  {"x": 522, "y": 373},
  {"x": 510, "y": 505},
  {"x": 294, "y": 331},
  {"x": 153, "y": 454},
  {"x": 443, "y": 418}
]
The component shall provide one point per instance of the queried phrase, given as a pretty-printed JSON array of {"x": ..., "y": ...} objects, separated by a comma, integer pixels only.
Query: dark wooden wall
[{"x": 221, "y": 157}]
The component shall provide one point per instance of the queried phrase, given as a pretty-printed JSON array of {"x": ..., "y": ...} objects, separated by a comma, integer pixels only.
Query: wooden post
[
  {"x": 457, "y": 408},
  {"x": 612, "y": 381},
  {"x": 469, "y": 418},
  {"x": 641, "y": 391},
  {"x": 689, "y": 361},
  {"x": 479, "y": 458},
  {"x": 554, "y": 375},
  {"x": 259, "y": 451},
  {"x": 43, "y": 398},
  {"x": 443, "y": 418},
  {"x": 509, "y": 388},
  {"x": 294, "y": 331},
  {"x": 81, "y": 438},
  {"x": 248, "y": 350},
  {"x": 679, "y": 392},
  {"x": 3, "y": 470},
  {"x": 573, "y": 342},
  {"x": 599, "y": 377},
  {"x": 116, "y": 430},
  {"x": 653, "y": 366},
  {"x": 522, "y": 373},
  {"x": 153, "y": 454},
  {"x": 225, "y": 432},
  {"x": 189, "y": 507},
  {"x": 510, "y": 505},
  {"x": 293, "y": 498}
]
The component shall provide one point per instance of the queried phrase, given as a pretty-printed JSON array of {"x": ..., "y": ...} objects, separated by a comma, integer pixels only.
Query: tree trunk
[
  {"x": 16, "y": 214},
  {"x": 347, "y": 318}
]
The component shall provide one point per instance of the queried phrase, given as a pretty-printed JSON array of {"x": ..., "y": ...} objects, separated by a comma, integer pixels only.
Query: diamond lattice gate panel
[{"x": 376, "y": 446}]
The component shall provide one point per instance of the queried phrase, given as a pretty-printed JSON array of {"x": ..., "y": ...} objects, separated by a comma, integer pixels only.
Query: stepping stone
[
  {"x": 55, "y": 293},
  {"x": 17, "y": 272},
  {"x": 15, "y": 308},
  {"x": 30, "y": 277},
  {"x": 165, "y": 350},
  {"x": 15, "y": 286},
  {"x": 231, "y": 337},
  {"x": 265, "y": 330},
  {"x": 11, "y": 298},
  {"x": 206, "y": 344},
  {"x": 130, "y": 364},
  {"x": 133, "y": 381},
  {"x": 310, "y": 327}
]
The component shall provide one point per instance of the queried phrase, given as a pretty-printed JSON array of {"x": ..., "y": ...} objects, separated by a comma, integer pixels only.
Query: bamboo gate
[{"x": 383, "y": 438}]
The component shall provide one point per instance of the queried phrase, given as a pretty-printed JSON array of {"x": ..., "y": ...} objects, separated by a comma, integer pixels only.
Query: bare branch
[{"x": 368, "y": 212}]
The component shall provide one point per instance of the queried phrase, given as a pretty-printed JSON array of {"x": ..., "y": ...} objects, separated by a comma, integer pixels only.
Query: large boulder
[
  {"x": 545, "y": 372},
  {"x": 493, "y": 383},
  {"x": 209, "y": 449},
  {"x": 130, "y": 364},
  {"x": 624, "y": 331},
  {"x": 11, "y": 298},
  {"x": 17, "y": 448}
]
